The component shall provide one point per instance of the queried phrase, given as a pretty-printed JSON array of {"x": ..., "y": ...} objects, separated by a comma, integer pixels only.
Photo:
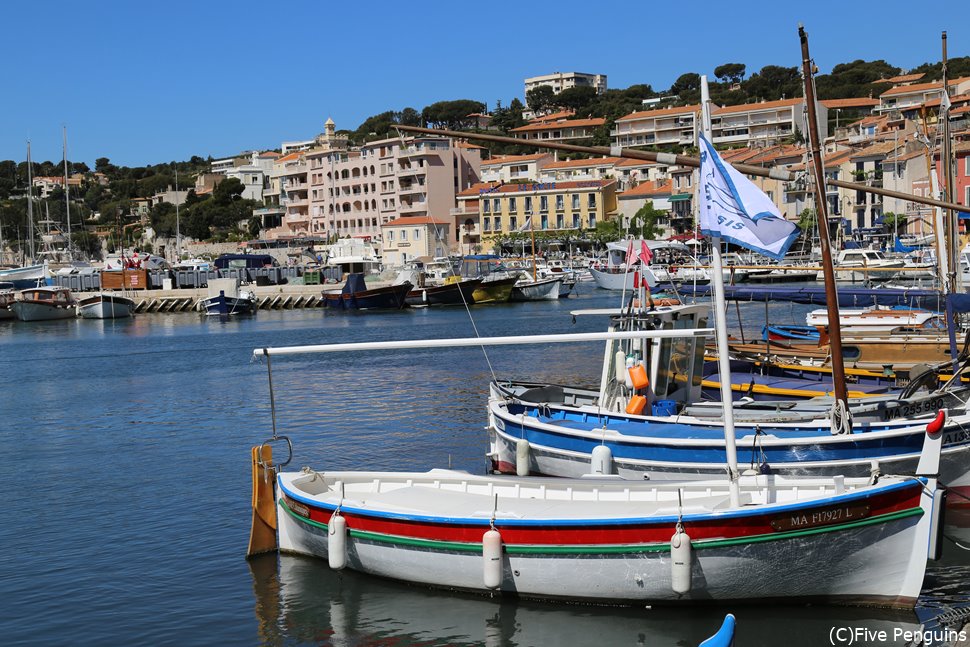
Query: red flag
[
  {"x": 645, "y": 254},
  {"x": 629, "y": 254}
]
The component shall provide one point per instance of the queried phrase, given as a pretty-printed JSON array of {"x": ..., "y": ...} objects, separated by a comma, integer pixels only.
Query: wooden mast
[{"x": 821, "y": 214}]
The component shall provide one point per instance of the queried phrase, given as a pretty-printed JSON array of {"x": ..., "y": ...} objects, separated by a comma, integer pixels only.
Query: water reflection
[{"x": 300, "y": 600}]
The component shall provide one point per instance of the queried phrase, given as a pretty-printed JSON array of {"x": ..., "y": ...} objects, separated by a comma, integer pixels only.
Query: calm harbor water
[{"x": 128, "y": 511}]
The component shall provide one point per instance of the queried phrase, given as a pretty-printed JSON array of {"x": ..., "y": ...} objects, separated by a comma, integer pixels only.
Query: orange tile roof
[
  {"x": 463, "y": 144},
  {"x": 916, "y": 87},
  {"x": 659, "y": 187},
  {"x": 476, "y": 189},
  {"x": 862, "y": 102},
  {"x": 565, "y": 114},
  {"x": 764, "y": 105},
  {"x": 874, "y": 150},
  {"x": 269, "y": 154},
  {"x": 562, "y": 123},
  {"x": 934, "y": 103},
  {"x": 660, "y": 112},
  {"x": 903, "y": 158},
  {"x": 414, "y": 220},
  {"x": 509, "y": 159},
  {"x": 597, "y": 161},
  {"x": 906, "y": 77},
  {"x": 629, "y": 161},
  {"x": 291, "y": 156},
  {"x": 496, "y": 188}
]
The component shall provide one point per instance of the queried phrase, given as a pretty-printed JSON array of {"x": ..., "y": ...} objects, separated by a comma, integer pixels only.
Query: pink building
[{"x": 354, "y": 193}]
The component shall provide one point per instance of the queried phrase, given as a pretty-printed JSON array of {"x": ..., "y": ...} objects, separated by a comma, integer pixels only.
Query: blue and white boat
[
  {"x": 24, "y": 277},
  {"x": 226, "y": 299},
  {"x": 661, "y": 430}
]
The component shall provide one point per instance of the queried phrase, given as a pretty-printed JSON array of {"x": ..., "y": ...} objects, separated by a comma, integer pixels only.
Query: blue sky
[{"x": 143, "y": 83}]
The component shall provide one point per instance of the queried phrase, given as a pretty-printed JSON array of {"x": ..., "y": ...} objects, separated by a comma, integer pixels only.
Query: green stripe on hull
[{"x": 605, "y": 549}]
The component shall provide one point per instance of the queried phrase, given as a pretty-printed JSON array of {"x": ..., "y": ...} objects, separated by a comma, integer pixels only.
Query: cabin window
[{"x": 851, "y": 353}]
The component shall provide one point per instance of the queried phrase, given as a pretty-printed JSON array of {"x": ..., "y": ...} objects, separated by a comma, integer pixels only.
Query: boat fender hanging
[
  {"x": 492, "y": 558},
  {"x": 522, "y": 457},
  {"x": 337, "y": 541},
  {"x": 680, "y": 561},
  {"x": 626, "y": 374},
  {"x": 602, "y": 461},
  {"x": 619, "y": 364}
]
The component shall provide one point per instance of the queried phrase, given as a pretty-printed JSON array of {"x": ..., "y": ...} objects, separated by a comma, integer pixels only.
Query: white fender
[
  {"x": 337, "y": 542},
  {"x": 602, "y": 462},
  {"x": 619, "y": 365},
  {"x": 522, "y": 457},
  {"x": 680, "y": 558},
  {"x": 492, "y": 559}
]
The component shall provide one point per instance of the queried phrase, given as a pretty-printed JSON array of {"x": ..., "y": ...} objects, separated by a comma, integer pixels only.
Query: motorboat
[
  {"x": 226, "y": 298},
  {"x": 355, "y": 295},
  {"x": 44, "y": 304},
  {"x": 864, "y": 265},
  {"x": 672, "y": 262}
]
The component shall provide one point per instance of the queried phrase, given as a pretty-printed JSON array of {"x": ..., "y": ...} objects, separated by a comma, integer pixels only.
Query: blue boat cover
[{"x": 355, "y": 283}]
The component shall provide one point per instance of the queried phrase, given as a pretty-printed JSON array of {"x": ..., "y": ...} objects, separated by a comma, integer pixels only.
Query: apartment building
[
  {"x": 560, "y": 81},
  {"x": 659, "y": 127},
  {"x": 410, "y": 237},
  {"x": 514, "y": 168},
  {"x": 569, "y": 208},
  {"x": 765, "y": 123},
  {"x": 907, "y": 172},
  {"x": 627, "y": 172},
  {"x": 560, "y": 130},
  {"x": 291, "y": 170},
  {"x": 909, "y": 98},
  {"x": 354, "y": 193}
]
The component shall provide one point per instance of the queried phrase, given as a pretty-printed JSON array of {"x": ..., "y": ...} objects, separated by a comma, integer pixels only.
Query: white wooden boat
[
  {"x": 44, "y": 304},
  {"x": 603, "y": 539},
  {"x": 878, "y": 319},
  {"x": 105, "y": 305},
  {"x": 614, "y": 541}
]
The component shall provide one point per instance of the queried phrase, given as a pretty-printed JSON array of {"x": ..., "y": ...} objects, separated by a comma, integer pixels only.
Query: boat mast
[
  {"x": 30, "y": 205},
  {"x": 178, "y": 233},
  {"x": 720, "y": 324},
  {"x": 946, "y": 176},
  {"x": 67, "y": 203},
  {"x": 821, "y": 214}
]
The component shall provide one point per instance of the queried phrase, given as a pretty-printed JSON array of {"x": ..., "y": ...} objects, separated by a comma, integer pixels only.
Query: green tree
[
  {"x": 774, "y": 82},
  {"x": 687, "y": 87},
  {"x": 807, "y": 220},
  {"x": 606, "y": 231},
  {"x": 540, "y": 99},
  {"x": 730, "y": 72},
  {"x": 644, "y": 223},
  {"x": 579, "y": 98}
]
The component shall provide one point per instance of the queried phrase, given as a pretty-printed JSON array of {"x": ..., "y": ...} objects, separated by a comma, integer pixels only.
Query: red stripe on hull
[{"x": 646, "y": 532}]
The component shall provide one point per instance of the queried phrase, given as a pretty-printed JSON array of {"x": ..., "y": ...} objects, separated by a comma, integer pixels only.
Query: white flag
[
  {"x": 525, "y": 226},
  {"x": 733, "y": 208},
  {"x": 945, "y": 103}
]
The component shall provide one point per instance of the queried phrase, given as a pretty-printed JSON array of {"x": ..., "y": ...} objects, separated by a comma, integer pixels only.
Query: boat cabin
[{"x": 674, "y": 365}]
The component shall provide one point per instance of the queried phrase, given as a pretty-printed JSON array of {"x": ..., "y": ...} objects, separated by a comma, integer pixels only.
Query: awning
[
  {"x": 963, "y": 215},
  {"x": 680, "y": 197}
]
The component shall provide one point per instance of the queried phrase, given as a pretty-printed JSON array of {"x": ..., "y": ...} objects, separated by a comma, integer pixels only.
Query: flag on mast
[
  {"x": 645, "y": 254},
  {"x": 733, "y": 208}
]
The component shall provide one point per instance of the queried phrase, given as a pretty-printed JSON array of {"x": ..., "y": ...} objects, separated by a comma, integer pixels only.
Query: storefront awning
[{"x": 680, "y": 197}]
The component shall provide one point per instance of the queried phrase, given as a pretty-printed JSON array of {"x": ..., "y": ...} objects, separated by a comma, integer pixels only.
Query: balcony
[
  {"x": 423, "y": 150},
  {"x": 412, "y": 187},
  {"x": 415, "y": 206},
  {"x": 406, "y": 171}
]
